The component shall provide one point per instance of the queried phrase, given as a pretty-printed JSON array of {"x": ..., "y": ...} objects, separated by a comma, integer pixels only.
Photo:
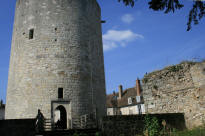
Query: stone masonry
[
  {"x": 56, "y": 44},
  {"x": 177, "y": 89}
]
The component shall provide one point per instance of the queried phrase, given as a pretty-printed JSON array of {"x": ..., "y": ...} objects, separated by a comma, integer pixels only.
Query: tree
[{"x": 195, "y": 14}]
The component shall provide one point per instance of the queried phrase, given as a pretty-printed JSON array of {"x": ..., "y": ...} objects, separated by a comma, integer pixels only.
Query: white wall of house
[
  {"x": 129, "y": 110},
  {"x": 110, "y": 111},
  {"x": 143, "y": 109},
  {"x": 132, "y": 110},
  {"x": 2, "y": 113}
]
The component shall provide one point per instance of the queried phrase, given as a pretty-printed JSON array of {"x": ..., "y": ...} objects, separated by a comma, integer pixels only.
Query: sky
[{"x": 135, "y": 40}]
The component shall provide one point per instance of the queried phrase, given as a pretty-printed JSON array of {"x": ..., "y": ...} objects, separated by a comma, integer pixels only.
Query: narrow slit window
[
  {"x": 31, "y": 32},
  {"x": 60, "y": 93}
]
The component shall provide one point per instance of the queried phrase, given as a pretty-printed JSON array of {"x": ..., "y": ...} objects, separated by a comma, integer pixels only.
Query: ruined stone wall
[
  {"x": 177, "y": 89},
  {"x": 65, "y": 52}
]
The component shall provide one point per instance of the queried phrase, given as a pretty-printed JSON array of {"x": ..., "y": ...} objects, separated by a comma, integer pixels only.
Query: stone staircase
[
  {"x": 85, "y": 124},
  {"x": 47, "y": 125}
]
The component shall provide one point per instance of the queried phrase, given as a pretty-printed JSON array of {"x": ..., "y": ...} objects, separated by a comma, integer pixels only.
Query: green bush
[
  {"x": 199, "y": 131},
  {"x": 175, "y": 68},
  {"x": 97, "y": 134},
  {"x": 152, "y": 126},
  {"x": 75, "y": 134}
]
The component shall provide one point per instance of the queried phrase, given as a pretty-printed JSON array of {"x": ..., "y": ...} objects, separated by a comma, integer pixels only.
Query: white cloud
[
  {"x": 127, "y": 18},
  {"x": 114, "y": 38}
]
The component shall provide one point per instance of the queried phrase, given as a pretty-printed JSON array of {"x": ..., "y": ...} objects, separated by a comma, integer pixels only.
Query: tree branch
[{"x": 196, "y": 13}]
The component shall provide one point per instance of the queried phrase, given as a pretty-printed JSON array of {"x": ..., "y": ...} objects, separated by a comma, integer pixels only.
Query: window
[
  {"x": 138, "y": 98},
  {"x": 130, "y": 100},
  {"x": 31, "y": 32},
  {"x": 60, "y": 93}
]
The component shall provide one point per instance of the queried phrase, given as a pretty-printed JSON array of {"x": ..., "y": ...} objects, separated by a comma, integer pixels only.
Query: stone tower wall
[
  {"x": 177, "y": 89},
  {"x": 65, "y": 52}
]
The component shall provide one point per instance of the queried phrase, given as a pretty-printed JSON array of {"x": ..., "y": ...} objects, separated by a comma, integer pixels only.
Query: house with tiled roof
[
  {"x": 2, "y": 110},
  {"x": 126, "y": 102}
]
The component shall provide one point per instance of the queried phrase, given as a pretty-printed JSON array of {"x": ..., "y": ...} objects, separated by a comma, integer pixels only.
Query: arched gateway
[{"x": 60, "y": 117}]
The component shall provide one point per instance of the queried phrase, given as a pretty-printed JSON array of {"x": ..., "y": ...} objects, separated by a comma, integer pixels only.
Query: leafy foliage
[
  {"x": 97, "y": 134},
  {"x": 128, "y": 2},
  {"x": 196, "y": 13},
  {"x": 152, "y": 126},
  {"x": 175, "y": 68},
  {"x": 199, "y": 131},
  {"x": 167, "y": 5}
]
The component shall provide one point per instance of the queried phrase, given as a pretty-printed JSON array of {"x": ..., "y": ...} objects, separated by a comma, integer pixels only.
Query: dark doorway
[{"x": 62, "y": 122}]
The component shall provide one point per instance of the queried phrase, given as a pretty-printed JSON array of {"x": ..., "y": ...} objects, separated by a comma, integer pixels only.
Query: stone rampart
[{"x": 177, "y": 89}]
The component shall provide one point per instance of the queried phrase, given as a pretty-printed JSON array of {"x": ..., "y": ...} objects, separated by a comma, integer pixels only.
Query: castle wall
[
  {"x": 177, "y": 89},
  {"x": 132, "y": 125},
  {"x": 65, "y": 52}
]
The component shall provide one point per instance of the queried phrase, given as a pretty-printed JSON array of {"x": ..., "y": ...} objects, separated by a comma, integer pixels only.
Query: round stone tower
[{"x": 56, "y": 59}]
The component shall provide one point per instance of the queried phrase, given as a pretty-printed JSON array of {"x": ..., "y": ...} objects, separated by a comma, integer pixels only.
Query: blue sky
[{"x": 136, "y": 40}]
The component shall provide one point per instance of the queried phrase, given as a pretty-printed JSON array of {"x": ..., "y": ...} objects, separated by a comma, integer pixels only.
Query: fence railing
[{"x": 86, "y": 121}]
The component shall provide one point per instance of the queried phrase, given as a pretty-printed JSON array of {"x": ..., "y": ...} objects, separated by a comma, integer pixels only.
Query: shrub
[
  {"x": 97, "y": 134},
  {"x": 75, "y": 134},
  {"x": 194, "y": 132},
  {"x": 175, "y": 68},
  {"x": 151, "y": 126}
]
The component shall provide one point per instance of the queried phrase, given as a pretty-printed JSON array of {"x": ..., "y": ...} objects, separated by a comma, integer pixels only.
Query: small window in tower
[
  {"x": 60, "y": 93},
  {"x": 31, "y": 32}
]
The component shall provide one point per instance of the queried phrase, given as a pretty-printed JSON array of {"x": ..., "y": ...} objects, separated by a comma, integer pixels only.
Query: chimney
[
  {"x": 120, "y": 91},
  {"x": 113, "y": 92},
  {"x": 138, "y": 87}
]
